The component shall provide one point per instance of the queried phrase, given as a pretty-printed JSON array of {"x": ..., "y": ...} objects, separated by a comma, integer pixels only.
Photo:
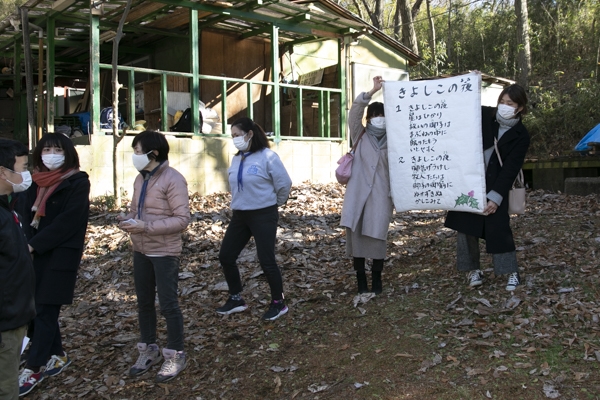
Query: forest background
[{"x": 552, "y": 47}]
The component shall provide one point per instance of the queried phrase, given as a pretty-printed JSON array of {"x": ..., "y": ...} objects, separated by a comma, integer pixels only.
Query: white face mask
[
  {"x": 240, "y": 143},
  {"x": 506, "y": 112},
  {"x": 23, "y": 186},
  {"x": 378, "y": 122},
  {"x": 140, "y": 161},
  {"x": 53, "y": 161}
]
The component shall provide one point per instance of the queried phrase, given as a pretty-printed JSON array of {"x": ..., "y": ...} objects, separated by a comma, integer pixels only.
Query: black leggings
[
  {"x": 262, "y": 224},
  {"x": 359, "y": 264}
]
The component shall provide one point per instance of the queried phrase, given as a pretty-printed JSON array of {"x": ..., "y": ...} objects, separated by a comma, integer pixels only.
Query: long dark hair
[
  {"x": 516, "y": 94},
  {"x": 259, "y": 137},
  {"x": 62, "y": 142}
]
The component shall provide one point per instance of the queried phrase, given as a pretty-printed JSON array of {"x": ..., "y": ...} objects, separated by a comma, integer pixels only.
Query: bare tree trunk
[
  {"x": 415, "y": 9},
  {"x": 449, "y": 43},
  {"x": 598, "y": 59},
  {"x": 397, "y": 22},
  {"x": 409, "y": 37},
  {"x": 376, "y": 15},
  {"x": 482, "y": 48},
  {"x": 524, "y": 60},
  {"x": 432, "y": 41},
  {"x": 359, "y": 10},
  {"x": 24, "y": 13},
  {"x": 117, "y": 137}
]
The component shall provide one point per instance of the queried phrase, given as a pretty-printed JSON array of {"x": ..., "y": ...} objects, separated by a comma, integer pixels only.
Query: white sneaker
[
  {"x": 149, "y": 356},
  {"x": 513, "y": 281},
  {"x": 475, "y": 278},
  {"x": 173, "y": 365}
]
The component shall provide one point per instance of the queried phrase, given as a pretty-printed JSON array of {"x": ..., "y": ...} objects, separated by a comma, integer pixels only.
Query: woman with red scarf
[{"x": 57, "y": 207}]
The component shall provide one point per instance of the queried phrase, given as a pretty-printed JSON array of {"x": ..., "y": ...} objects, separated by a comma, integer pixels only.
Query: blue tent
[{"x": 592, "y": 136}]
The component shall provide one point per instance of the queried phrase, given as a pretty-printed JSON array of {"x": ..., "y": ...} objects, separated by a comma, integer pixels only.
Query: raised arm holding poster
[{"x": 435, "y": 144}]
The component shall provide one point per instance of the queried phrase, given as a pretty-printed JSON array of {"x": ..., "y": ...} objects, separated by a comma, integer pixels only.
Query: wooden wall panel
[
  {"x": 244, "y": 59},
  {"x": 178, "y": 84}
]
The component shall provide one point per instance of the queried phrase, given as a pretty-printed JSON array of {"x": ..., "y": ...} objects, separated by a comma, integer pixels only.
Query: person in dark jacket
[
  {"x": 502, "y": 124},
  {"x": 17, "y": 281},
  {"x": 58, "y": 207}
]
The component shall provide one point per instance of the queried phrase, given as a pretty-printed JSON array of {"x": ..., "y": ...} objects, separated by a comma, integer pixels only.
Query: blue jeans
[
  {"x": 158, "y": 274},
  {"x": 262, "y": 224}
]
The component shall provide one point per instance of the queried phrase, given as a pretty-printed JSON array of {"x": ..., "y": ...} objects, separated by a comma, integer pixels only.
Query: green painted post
[
  {"x": 300, "y": 113},
  {"x": 250, "y": 101},
  {"x": 195, "y": 70},
  {"x": 50, "y": 103},
  {"x": 131, "y": 98},
  {"x": 223, "y": 107},
  {"x": 275, "y": 78},
  {"x": 94, "y": 74},
  {"x": 342, "y": 85},
  {"x": 327, "y": 113},
  {"x": 163, "y": 103},
  {"x": 321, "y": 114}
]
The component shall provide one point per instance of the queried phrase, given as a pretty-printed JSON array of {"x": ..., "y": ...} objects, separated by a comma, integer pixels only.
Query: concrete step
[{"x": 582, "y": 186}]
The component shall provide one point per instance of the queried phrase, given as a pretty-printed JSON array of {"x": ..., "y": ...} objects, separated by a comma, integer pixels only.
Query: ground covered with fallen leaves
[{"x": 427, "y": 336}]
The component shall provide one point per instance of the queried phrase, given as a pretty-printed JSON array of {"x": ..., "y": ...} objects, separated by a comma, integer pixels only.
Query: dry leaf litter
[{"x": 427, "y": 336}]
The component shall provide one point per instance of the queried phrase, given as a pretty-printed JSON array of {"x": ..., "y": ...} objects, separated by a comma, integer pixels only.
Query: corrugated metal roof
[{"x": 149, "y": 21}]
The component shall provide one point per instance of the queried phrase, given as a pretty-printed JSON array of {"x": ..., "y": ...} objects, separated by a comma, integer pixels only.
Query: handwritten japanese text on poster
[{"x": 434, "y": 144}]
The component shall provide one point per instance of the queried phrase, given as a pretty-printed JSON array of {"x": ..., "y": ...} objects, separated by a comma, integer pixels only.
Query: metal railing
[{"x": 322, "y": 101}]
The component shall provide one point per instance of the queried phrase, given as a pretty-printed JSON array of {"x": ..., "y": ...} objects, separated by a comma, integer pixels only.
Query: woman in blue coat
[
  {"x": 56, "y": 207},
  {"x": 503, "y": 124}
]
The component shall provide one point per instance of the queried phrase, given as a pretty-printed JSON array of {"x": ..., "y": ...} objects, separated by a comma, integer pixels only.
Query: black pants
[
  {"x": 46, "y": 341},
  {"x": 158, "y": 274},
  {"x": 262, "y": 224}
]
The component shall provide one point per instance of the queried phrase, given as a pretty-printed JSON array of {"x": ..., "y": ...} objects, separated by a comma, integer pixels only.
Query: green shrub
[{"x": 558, "y": 120}]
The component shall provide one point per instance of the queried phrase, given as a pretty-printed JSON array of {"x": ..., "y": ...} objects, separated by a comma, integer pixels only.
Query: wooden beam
[{"x": 61, "y": 5}]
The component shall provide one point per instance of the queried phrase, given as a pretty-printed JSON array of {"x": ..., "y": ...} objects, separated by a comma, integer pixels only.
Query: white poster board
[{"x": 435, "y": 144}]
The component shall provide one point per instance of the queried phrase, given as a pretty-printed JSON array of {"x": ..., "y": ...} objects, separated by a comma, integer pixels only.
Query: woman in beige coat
[
  {"x": 368, "y": 206},
  {"x": 160, "y": 212}
]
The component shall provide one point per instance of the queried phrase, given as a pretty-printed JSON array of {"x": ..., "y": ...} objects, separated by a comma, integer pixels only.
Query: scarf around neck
[
  {"x": 377, "y": 135},
  {"x": 47, "y": 182},
  {"x": 507, "y": 123}
]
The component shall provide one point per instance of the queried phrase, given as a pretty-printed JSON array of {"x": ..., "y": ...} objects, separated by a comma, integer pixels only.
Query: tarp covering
[
  {"x": 435, "y": 144},
  {"x": 592, "y": 136}
]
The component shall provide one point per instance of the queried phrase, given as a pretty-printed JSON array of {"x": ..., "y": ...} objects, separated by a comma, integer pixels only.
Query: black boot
[
  {"x": 361, "y": 279},
  {"x": 376, "y": 283}
]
